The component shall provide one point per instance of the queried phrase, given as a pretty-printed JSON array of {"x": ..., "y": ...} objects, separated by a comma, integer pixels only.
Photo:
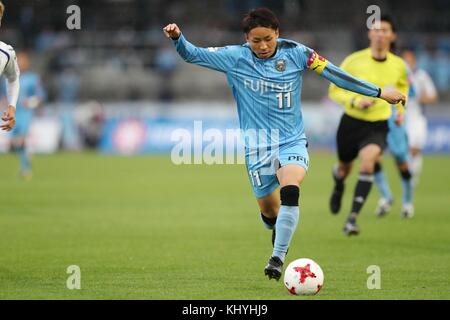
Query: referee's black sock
[
  {"x": 362, "y": 190},
  {"x": 338, "y": 181}
]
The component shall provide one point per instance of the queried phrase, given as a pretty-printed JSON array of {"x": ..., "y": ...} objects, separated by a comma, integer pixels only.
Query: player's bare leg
[
  {"x": 340, "y": 172},
  {"x": 368, "y": 155},
  {"x": 19, "y": 145},
  {"x": 290, "y": 178}
]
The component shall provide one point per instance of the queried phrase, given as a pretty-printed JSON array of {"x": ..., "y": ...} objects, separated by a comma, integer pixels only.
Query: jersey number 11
[{"x": 286, "y": 96}]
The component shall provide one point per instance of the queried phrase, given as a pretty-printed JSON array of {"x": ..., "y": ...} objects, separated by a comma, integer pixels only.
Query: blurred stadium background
[{"x": 118, "y": 85}]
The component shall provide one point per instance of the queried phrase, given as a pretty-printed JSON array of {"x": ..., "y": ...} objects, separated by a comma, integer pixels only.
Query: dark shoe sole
[
  {"x": 351, "y": 233},
  {"x": 272, "y": 274}
]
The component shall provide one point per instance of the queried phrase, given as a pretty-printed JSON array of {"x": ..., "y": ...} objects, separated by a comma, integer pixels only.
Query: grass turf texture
[{"x": 143, "y": 228}]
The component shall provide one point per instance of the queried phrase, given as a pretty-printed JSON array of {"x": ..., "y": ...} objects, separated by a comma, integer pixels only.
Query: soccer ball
[{"x": 303, "y": 277}]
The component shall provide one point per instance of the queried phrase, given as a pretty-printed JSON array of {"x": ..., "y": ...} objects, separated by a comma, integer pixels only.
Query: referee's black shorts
[{"x": 354, "y": 134}]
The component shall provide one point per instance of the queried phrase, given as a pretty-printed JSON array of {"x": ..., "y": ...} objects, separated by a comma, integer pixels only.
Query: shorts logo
[
  {"x": 298, "y": 158},
  {"x": 280, "y": 65}
]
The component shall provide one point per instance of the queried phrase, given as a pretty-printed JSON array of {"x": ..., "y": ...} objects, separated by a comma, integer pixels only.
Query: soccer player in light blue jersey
[
  {"x": 265, "y": 76},
  {"x": 31, "y": 96},
  {"x": 411, "y": 135},
  {"x": 397, "y": 142}
]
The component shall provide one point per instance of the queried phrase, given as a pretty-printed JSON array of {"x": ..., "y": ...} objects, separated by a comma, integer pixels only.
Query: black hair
[
  {"x": 260, "y": 17},
  {"x": 389, "y": 19}
]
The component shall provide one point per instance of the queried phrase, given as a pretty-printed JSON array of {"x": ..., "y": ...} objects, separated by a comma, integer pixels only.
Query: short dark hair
[
  {"x": 260, "y": 17},
  {"x": 389, "y": 19}
]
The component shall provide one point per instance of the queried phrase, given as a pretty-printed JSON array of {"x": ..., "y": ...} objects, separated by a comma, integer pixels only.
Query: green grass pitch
[{"x": 143, "y": 228}]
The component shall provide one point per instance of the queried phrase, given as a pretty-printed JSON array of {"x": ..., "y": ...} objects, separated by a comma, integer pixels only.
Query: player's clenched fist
[
  {"x": 393, "y": 96},
  {"x": 9, "y": 118},
  {"x": 172, "y": 31}
]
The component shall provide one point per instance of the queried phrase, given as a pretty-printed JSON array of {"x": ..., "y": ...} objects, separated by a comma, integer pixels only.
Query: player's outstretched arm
[
  {"x": 346, "y": 81},
  {"x": 221, "y": 59}
]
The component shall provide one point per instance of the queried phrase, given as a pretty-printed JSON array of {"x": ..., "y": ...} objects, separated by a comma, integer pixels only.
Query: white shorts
[{"x": 416, "y": 126}]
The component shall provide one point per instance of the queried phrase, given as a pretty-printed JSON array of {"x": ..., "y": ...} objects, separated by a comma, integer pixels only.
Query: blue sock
[
  {"x": 286, "y": 224},
  {"x": 25, "y": 164},
  {"x": 382, "y": 185},
  {"x": 407, "y": 187}
]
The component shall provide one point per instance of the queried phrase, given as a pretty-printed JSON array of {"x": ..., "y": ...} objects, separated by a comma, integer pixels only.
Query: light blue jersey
[
  {"x": 30, "y": 86},
  {"x": 268, "y": 97}
]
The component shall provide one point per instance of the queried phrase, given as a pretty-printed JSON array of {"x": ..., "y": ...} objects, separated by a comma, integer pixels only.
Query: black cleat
[
  {"x": 274, "y": 268},
  {"x": 351, "y": 229}
]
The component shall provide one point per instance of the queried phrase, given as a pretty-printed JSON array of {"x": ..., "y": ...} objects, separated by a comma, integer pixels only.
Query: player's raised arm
[
  {"x": 220, "y": 59},
  {"x": 346, "y": 81}
]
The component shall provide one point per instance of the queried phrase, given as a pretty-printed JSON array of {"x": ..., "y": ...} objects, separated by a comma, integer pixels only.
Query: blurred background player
[
  {"x": 423, "y": 93},
  {"x": 364, "y": 127},
  {"x": 406, "y": 141},
  {"x": 11, "y": 71},
  {"x": 265, "y": 75},
  {"x": 31, "y": 96},
  {"x": 397, "y": 142}
]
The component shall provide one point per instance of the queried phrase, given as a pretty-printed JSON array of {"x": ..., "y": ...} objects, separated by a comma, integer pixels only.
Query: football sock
[
  {"x": 338, "y": 181},
  {"x": 287, "y": 220},
  {"x": 407, "y": 187},
  {"x": 25, "y": 164},
  {"x": 269, "y": 223},
  {"x": 382, "y": 183},
  {"x": 362, "y": 190},
  {"x": 415, "y": 163}
]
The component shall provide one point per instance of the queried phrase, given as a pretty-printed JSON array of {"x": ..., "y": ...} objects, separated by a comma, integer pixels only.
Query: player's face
[
  {"x": 263, "y": 41},
  {"x": 23, "y": 61},
  {"x": 381, "y": 38}
]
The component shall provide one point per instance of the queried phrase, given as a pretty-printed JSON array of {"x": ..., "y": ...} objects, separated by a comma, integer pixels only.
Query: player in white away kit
[
  {"x": 9, "y": 68},
  {"x": 422, "y": 93}
]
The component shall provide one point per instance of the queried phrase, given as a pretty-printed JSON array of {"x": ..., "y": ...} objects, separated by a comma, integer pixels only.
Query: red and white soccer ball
[{"x": 303, "y": 277}]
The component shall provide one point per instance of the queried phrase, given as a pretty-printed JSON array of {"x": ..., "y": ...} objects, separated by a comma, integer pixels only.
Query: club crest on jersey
[{"x": 280, "y": 65}]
